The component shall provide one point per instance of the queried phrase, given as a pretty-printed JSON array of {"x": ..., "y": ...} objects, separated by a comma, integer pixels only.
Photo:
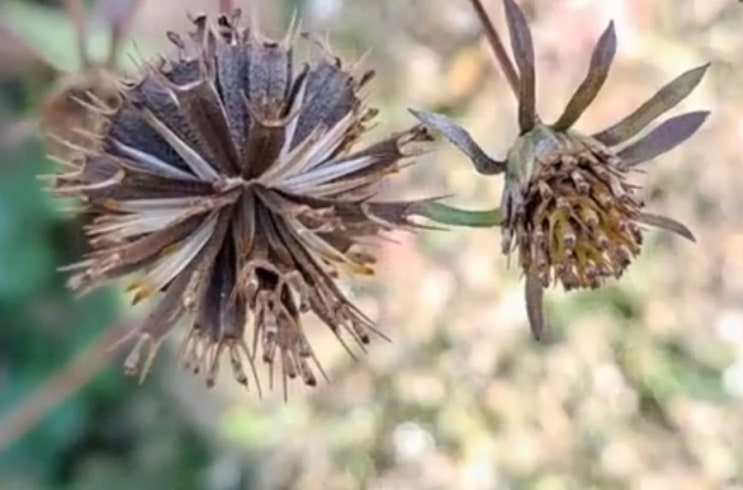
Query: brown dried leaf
[
  {"x": 523, "y": 53},
  {"x": 663, "y": 100},
  {"x": 663, "y": 138},
  {"x": 462, "y": 140},
  {"x": 534, "y": 305},
  {"x": 666, "y": 223},
  {"x": 601, "y": 59}
]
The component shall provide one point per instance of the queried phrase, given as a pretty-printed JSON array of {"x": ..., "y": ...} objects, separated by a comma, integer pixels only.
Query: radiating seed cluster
[{"x": 228, "y": 187}]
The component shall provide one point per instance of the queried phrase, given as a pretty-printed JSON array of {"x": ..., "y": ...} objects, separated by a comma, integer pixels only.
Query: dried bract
[
  {"x": 228, "y": 182},
  {"x": 568, "y": 207}
]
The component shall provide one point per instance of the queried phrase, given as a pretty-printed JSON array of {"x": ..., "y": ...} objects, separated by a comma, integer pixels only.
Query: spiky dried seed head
[
  {"x": 576, "y": 220},
  {"x": 567, "y": 205},
  {"x": 228, "y": 181}
]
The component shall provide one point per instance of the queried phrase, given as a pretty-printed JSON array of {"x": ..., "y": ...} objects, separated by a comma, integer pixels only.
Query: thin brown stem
[
  {"x": 67, "y": 381},
  {"x": 497, "y": 44},
  {"x": 76, "y": 11}
]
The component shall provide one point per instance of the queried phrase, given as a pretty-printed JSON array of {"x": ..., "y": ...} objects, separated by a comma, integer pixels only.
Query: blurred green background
[{"x": 642, "y": 386}]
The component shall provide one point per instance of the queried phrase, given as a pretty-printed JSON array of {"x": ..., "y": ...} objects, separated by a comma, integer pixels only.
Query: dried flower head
[
  {"x": 228, "y": 181},
  {"x": 67, "y": 90},
  {"x": 65, "y": 110},
  {"x": 568, "y": 207}
]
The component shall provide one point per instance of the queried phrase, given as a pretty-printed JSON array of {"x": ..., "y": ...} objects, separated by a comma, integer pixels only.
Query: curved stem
[
  {"x": 497, "y": 44},
  {"x": 448, "y": 215}
]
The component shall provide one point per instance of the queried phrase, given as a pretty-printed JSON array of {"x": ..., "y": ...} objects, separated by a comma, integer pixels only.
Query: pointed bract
[
  {"x": 662, "y": 139},
  {"x": 535, "y": 305},
  {"x": 598, "y": 71},
  {"x": 462, "y": 140},
  {"x": 666, "y": 223},
  {"x": 523, "y": 53},
  {"x": 665, "y": 99}
]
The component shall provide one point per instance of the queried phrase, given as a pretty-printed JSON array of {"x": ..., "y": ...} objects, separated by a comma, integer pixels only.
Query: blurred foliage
[{"x": 641, "y": 386}]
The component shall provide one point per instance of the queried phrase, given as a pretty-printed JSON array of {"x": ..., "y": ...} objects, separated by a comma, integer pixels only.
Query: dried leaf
[
  {"x": 16, "y": 55},
  {"x": 666, "y": 223},
  {"x": 601, "y": 59},
  {"x": 534, "y": 305},
  {"x": 663, "y": 138},
  {"x": 462, "y": 140},
  {"x": 663, "y": 100},
  {"x": 523, "y": 53}
]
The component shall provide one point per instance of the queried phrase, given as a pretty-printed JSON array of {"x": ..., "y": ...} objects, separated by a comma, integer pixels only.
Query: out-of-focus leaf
[
  {"x": 50, "y": 32},
  {"x": 17, "y": 56},
  {"x": 523, "y": 53}
]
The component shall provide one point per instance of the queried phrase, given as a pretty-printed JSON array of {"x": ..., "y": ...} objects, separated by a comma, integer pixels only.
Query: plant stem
[
  {"x": 448, "y": 215},
  {"x": 76, "y": 12},
  {"x": 64, "y": 382},
  {"x": 497, "y": 44}
]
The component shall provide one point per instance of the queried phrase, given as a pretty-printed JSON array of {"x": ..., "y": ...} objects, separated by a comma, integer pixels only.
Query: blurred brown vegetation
[{"x": 642, "y": 386}]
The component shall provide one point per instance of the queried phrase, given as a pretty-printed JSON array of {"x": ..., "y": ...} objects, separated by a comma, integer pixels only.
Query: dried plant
[
  {"x": 568, "y": 206},
  {"x": 65, "y": 111},
  {"x": 66, "y": 90},
  {"x": 227, "y": 180}
]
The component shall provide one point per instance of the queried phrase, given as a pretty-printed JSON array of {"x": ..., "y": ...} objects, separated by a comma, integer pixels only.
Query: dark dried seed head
[{"x": 228, "y": 184}]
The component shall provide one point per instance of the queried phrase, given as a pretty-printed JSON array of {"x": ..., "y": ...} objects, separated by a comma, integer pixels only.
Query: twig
[
  {"x": 61, "y": 384},
  {"x": 497, "y": 44}
]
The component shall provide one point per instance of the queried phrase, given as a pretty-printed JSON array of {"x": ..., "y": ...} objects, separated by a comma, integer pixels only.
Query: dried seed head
[
  {"x": 71, "y": 113},
  {"x": 567, "y": 204},
  {"x": 575, "y": 220},
  {"x": 228, "y": 182}
]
